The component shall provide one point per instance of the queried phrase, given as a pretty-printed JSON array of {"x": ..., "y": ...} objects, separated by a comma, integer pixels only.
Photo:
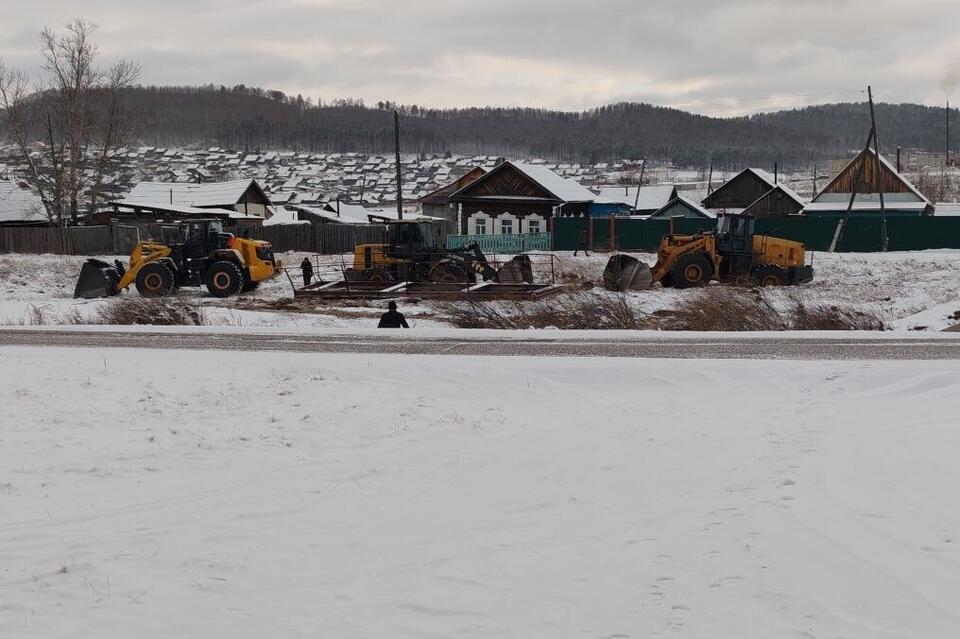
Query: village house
[
  {"x": 19, "y": 206},
  {"x": 900, "y": 197},
  {"x": 624, "y": 200},
  {"x": 241, "y": 196},
  {"x": 518, "y": 198},
  {"x": 437, "y": 203},
  {"x": 681, "y": 206},
  {"x": 755, "y": 192}
]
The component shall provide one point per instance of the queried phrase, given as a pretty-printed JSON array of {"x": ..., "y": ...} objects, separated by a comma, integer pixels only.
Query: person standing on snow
[
  {"x": 392, "y": 318},
  {"x": 582, "y": 243},
  {"x": 307, "y": 269}
]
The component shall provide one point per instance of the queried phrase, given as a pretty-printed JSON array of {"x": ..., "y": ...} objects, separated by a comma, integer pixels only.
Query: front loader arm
[
  {"x": 143, "y": 253},
  {"x": 671, "y": 249}
]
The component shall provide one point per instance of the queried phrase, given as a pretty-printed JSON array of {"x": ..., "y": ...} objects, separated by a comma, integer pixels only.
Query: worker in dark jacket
[
  {"x": 582, "y": 243},
  {"x": 392, "y": 319},
  {"x": 307, "y": 269}
]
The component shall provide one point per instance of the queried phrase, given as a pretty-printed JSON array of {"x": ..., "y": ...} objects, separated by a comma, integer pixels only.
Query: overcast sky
[{"x": 719, "y": 57}]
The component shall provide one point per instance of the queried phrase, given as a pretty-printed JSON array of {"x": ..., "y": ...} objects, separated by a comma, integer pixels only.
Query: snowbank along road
[
  {"x": 863, "y": 346},
  {"x": 225, "y": 494}
]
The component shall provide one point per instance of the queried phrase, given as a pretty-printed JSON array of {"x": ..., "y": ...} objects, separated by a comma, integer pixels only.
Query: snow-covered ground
[
  {"x": 155, "y": 494},
  {"x": 908, "y": 290}
]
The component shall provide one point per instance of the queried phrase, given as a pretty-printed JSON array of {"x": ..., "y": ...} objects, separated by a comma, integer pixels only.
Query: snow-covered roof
[
  {"x": 861, "y": 205},
  {"x": 652, "y": 196},
  {"x": 947, "y": 209},
  {"x": 18, "y": 204},
  {"x": 190, "y": 194},
  {"x": 349, "y": 213},
  {"x": 284, "y": 216},
  {"x": 690, "y": 203},
  {"x": 562, "y": 188},
  {"x": 178, "y": 209}
]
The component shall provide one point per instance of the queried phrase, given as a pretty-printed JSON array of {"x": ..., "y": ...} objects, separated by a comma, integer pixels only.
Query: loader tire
[
  {"x": 155, "y": 279},
  {"x": 666, "y": 281},
  {"x": 250, "y": 285},
  {"x": 770, "y": 275},
  {"x": 692, "y": 270},
  {"x": 224, "y": 279}
]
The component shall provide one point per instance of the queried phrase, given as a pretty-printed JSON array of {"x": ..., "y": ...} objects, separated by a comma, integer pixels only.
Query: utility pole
[
  {"x": 396, "y": 145},
  {"x": 814, "y": 182},
  {"x": 636, "y": 200},
  {"x": 878, "y": 173},
  {"x": 859, "y": 177},
  {"x": 947, "y": 159},
  {"x": 710, "y": 178}
]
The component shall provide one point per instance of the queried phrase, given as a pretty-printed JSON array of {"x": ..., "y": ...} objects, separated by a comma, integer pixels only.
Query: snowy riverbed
[{"x": 151, "y": 494}]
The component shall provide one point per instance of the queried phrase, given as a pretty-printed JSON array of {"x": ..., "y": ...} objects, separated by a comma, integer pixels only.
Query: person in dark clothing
[
  {"x": 582, "y": 243},
  {"x": 392, "y": 319},
  {"x": 307, "y": 269}
]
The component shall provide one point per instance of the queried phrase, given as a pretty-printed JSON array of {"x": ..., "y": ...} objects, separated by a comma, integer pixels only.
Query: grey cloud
[{"x": 546, "y": 53}]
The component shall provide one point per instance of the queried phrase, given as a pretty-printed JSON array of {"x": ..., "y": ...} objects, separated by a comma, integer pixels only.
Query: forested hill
[{"x": 250, "y": 118}]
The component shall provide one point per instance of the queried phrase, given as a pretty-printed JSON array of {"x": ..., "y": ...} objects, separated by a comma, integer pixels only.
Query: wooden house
[
  {"x": 780, "y": 201},
  {"x": 740, "y": 191},
  {"x": 437, "y": 203},
  {"x": 518, "y": 198},
  {"x": 900, "y": 197}
]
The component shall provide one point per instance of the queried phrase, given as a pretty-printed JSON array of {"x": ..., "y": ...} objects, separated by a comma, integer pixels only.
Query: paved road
[{"x": 817, "y": 348}]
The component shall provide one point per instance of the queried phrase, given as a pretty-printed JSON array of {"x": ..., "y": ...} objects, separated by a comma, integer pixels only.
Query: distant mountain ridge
[{"x": 251, "y": 118}]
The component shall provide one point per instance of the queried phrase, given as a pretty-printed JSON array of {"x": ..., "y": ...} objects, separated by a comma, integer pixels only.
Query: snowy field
[
  {"x": 290, "y": 495},
  {"x": 908, "y": 290}
]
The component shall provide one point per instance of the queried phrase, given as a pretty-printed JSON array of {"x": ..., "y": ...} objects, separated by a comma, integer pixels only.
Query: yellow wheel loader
[
  {"x": 733, "y": 252},
  {"x": 415, "y": 252},
  {"x": 225, "y": 264}
]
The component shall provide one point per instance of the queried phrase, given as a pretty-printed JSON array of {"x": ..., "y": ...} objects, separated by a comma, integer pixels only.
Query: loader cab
[
  {"x": 408, "y": 238},
  {"x": 735, "y": 233},
  {"x": 201, "y": 237},
  {"x": 734, "y": 237}
]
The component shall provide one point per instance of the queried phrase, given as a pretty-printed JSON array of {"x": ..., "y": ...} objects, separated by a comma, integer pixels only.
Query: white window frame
[
  {"x": 512, "y": 221},
  {"x": 482, "y": 219}
]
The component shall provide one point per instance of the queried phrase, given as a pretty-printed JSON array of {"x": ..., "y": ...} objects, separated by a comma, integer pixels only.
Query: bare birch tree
[{"x": 66, "y": 125}]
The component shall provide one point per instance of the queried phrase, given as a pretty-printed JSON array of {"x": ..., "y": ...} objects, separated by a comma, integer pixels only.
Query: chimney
[
  {"x": 898, "y": 159},
  {"x": 775, "y": 173}
]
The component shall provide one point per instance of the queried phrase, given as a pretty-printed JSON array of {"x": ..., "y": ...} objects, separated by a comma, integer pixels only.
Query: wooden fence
[
  {"x": 323, "y": 239},
  {"x": 77, "y": 240}
]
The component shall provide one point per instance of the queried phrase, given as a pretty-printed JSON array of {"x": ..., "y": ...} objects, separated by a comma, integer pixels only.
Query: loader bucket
[
  {"x": 97, "y": 279},
  {"x": 626, "y": 273},
  {"x": 518, "y": 270}
]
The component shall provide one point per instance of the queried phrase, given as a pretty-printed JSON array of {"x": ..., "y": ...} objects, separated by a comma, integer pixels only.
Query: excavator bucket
[
  {"x": 625, "y": 273},
  {"x": 518, "y": 270},
  {"x": 97, "y": 279}
]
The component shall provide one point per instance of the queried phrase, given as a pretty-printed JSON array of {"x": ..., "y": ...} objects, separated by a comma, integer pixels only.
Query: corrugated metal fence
[
  {"x": 77, "y": 240},
  {"x": 862, "y": 234}
]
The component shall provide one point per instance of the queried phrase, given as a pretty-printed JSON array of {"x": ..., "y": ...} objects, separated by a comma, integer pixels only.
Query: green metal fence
[
  {"x": 862, "y": 234},
  {"x": 506, "y": 244}
]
